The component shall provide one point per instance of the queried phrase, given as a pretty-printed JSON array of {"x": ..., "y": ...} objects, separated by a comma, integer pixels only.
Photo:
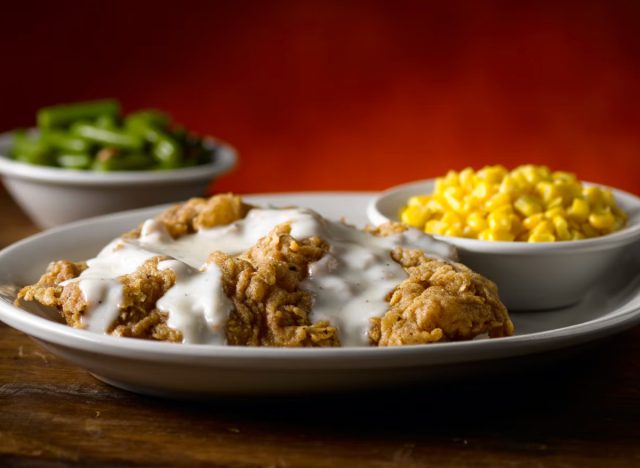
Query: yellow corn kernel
[
  {"x": 570, "y": 184},
  {"x": 435, "y": 206},
  {"x": 453, "y": 197},
  {"x": 532, "y": 221},
  {"x": 573, "y": 224},
  {"x": 599, "y": 208},
  {"x": 477, "y": 222},
  {"x": 466, "y": 177},
  {"x": 602, "y": 220},
  {"x": 415, "y": 216},
  {"x": 532, "y": 174},
  {"x": 547, "y": 191},
  {"x": 506, "y": 208},
  {"x": 593, "y": 195},
  {"x": 561, "y": 228},
  {"x": 516, "y": 224},
  {"x": 418, "y": 200},
  {"x": 520, "y": 179},
  {"x": 509, "y": 186},
  {"x": 492, "y": 174},
  {"x": 542, "y": 237},
  {"x": 485, "y": 235},
  {"x": 497, "y": 201},
  {"x": 564, "y": 176},
  {"x": 500, "y": 235},
  {"x": 469, "y": 206},
  {"x": 483, "y": 190},
  {"x": 454, "y": 231},
  {"x": 451, "y": 179},
  {"x": 564, "y": 191},
  {"x": 451, "y": 218},
  {"x": 607, "y": 197},
  {"x": 579, "y": 210},
  {"x": 577, "y": 235},
  {"x": 499, "y": 221},
  {"x": 588, "y": 230},
  {"x": 527, "y": 205},
  {"x": 544, "y": 227},
  {"x": 435, "y": 226},
  {"x": 440, "y": 185},
  {"x": 554, "y": 203},
  {"x": 469, "y": 232},
  {"x": 545, "y": 172},
  {"x": 576, "y": 190},
  {"x": 553, "y": 212}
]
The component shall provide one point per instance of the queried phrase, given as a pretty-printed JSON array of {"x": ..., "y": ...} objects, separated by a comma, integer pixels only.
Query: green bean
[
  {"x": 32, "y": 151},
  {"x": 152, "y": 117},
  {"x": 103, "y": 136},
  {"x": 19, "y": 138},
  {"x": 168, "y": 153},
  {"x": 149, "y": 124},
  {"x": 71, "y": 134},
  {"x": 75, "y": 160},
  {"x": 64, "y": 142},
  {"x": 107, "y": 121},
  {"x": 64, "y": 115},
  {"x": 143, "y": 128},
  {"x": 109, "y": 160}
]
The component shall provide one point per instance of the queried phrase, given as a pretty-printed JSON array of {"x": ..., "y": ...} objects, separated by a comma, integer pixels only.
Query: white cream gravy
[
  {"x": 196, "y": 304},
  {"x": 99, "y": 285},
  {"x": 349, "y": 284}
]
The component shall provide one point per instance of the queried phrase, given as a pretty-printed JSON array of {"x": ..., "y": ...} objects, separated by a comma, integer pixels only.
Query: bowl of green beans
[{"x": 89, "y": 158}]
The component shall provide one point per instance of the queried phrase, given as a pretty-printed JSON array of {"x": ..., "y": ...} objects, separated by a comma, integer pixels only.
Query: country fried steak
[{"x": 267, "y": 302}]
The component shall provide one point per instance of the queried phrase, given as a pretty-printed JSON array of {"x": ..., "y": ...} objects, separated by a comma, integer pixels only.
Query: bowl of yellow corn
[{"x": 543, "y": 237}]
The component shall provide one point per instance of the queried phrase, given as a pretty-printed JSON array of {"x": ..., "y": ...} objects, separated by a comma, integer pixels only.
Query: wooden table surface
[{"x": 581, "y": 410}]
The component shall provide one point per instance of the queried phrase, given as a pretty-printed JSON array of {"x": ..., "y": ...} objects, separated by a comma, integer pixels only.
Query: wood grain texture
[
  {"x": 581, "y": 410},
  {"x": 14, "y": 224}
]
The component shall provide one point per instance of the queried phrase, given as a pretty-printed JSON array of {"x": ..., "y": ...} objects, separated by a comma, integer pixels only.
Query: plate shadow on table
[{"x": 536, "y": 389}]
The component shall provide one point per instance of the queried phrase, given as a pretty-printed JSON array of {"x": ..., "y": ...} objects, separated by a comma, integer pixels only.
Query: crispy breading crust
[
  {"x": 47, "y": 290},
  {"x": 440, "y": 301},
  {"x": 200, "y": 213},
  {"x": 264, "y": 285},
  {"x": 137, "y": 316}
]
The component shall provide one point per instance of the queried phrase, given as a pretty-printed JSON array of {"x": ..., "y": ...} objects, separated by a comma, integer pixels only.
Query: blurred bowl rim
[
  {"x": 629, "y": 202},
  {"x": 224, "y": 158}
]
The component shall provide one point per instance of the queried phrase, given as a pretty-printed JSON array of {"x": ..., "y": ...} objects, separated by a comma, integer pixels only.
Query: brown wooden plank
[{"x": 14, "y": 224}]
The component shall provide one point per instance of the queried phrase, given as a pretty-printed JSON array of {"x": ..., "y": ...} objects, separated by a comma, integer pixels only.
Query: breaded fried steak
[{"x": 219, "y": 271}]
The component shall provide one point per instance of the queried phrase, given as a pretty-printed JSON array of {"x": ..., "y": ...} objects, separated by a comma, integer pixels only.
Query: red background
[{"x": 349, "y": 94}]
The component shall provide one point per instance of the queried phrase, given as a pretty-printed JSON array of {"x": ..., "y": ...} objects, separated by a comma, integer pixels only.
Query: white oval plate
[{"x": 179, "y": 370}]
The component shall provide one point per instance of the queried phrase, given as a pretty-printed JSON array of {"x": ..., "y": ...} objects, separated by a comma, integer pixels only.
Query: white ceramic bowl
[
  {"x": 530, "y": 276},
  {"x": 53, "y": 196}
]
